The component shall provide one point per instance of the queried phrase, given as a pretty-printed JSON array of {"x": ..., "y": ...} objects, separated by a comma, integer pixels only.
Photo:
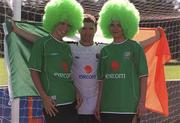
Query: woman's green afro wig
[
  {"x": 57, "y": 11},
  {"x": 122, "y": 11}
]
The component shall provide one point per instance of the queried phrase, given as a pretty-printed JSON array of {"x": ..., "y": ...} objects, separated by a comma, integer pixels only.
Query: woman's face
[
  {"x": 115, "y": 29},
  {"x": 62, "y": 29}
]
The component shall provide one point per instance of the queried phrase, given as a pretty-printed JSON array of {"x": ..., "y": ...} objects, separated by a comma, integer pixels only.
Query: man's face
[
  {"x": 115, "y": 29},
  {"x": 62, "y": 29},
  {"x": 88, "y": 30}
]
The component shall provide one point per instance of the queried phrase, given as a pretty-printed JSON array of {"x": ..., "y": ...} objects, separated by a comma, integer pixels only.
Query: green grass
[
  {"x": 171, "y": 72},
  {"x": 3, "y": 73}
]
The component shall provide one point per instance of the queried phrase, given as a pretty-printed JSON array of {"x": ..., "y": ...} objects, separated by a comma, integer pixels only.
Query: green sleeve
[
  {"x": 36, "y": 58},
  {"x": 140, "y": 61},
  {"x": 69, "y": 50},
  {"x": 101, "y": 67}
]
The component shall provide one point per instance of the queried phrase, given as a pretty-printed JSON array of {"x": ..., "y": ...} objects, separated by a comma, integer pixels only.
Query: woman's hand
[
  {"x": 49, "y": 106},
  {"x": 141, "y": 110}
]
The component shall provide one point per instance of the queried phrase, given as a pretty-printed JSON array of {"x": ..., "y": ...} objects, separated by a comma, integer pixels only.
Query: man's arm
[
  {"x": 98, "y": 103},
  {"x": 141, "y": 106},
  {"x": 79, "y": 98},
  {"x": 48, "y": 102},
  {"x": 26, "y": 35},
  {"x": 151, "y": 40},
  {"x": 143, "y": 81}
]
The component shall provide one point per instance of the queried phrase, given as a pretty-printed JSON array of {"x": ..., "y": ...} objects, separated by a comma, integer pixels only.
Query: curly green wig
[
  {"x": 57, "y": 11},
  {"x": 122, "y": 11}
]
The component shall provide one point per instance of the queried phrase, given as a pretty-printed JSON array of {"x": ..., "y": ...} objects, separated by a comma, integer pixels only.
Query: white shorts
[{"x": 88, "y": 105}]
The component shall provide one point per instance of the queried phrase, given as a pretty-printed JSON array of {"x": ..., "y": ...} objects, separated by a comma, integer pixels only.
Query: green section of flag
[{"x": 18, "y": 53}]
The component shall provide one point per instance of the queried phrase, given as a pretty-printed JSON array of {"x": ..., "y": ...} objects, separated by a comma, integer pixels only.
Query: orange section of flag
[
  {"x": 157, "y": 54},
  {"x": 31, "y": 119}
]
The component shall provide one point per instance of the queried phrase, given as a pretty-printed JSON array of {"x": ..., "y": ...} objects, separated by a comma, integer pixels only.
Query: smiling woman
[{"x": 126, "y": 14}]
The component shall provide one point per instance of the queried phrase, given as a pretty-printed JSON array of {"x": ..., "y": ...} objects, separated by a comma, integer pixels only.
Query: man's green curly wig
[
  {"x": 122, "y": 11},
  {"x": 57, "y": 11}
]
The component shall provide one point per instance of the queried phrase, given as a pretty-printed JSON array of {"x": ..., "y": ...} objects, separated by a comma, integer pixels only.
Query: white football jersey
[{"x": 84, "y": 67}]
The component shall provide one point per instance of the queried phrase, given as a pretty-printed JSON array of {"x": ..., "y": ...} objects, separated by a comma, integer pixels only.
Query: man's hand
[
  {"x": 97, "y": 113},
  {"x": 78, "y": 99},
  {"x": 141, "y": 109},
  {"x": 136, "y": 119},
  {"x": 49, "y": 106},
  {"x": 158, "y": 33},
  {"x": 14, "y": 27}
]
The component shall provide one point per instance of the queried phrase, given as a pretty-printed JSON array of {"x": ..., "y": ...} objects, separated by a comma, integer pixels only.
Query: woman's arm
[
  {"x": 26, "y": 35},
  {"x": 143, "y": 88},
  {"x": 48, "y": 102},
  {"x": 151, "y": 40}
]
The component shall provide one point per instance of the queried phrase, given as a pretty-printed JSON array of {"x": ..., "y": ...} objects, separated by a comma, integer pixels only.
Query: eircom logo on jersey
[
  {"x": 88, "y": 70},
  {"x": 66, "y": 74},
  {"x": 62, "y": 75},
  {"x": 115, "y": 66}
]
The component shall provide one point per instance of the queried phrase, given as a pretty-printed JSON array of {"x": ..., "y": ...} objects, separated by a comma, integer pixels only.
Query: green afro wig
[
  {"x": 57, "y": 11},
  {"x": 122, "y": 11}
]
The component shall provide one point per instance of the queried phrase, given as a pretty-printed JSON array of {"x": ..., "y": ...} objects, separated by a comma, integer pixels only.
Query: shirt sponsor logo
[
  {"x": 115, "y": 76},
  {"x": 64, "y": 65},
  {"x": 65, "y": 68},
  {"x": 87, "y": 69},
  {"x": 115, "y": 66},
  {"x": 62, "y": 75},
  {"x": 87, "y": 76}
]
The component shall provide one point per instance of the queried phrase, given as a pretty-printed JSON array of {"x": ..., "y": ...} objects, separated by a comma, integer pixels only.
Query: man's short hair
[{"x": 90, "y": 18}]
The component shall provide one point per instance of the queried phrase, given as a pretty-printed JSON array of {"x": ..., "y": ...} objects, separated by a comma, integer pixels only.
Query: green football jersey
[
  {"x": 53, "y": 59},
  {"x": 120, "y": 67}
]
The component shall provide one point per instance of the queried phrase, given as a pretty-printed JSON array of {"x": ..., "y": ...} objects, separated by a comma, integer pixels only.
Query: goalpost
[{"x": 16, "y": 8}]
